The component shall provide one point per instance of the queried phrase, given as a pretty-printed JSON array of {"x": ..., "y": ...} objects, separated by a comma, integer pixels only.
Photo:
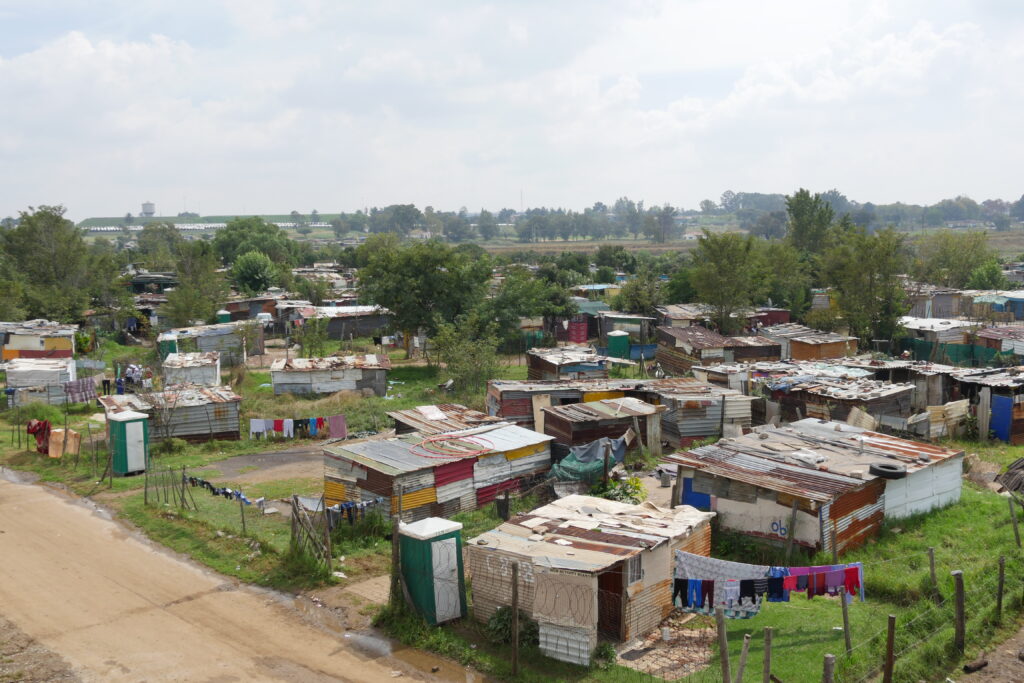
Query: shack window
[{"x": 634, "y": 569}]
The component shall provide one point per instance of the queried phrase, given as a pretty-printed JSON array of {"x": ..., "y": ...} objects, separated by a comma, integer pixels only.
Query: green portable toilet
[
  {"x": 223, "y": 316},
  {"x": 167, "y": 343},
  {"x": 432, "y": 568},
  {"x": 618, "y": 344},
  {"x": 129, "y": 441}
]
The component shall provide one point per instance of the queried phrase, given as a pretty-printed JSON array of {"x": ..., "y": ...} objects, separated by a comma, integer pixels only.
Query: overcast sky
[{"x": 260, "y": 106}]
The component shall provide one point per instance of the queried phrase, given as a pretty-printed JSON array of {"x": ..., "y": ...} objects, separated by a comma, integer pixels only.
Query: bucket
[
  {"x": 666, "y": 633},
  {"x": 666, "y": 479}
]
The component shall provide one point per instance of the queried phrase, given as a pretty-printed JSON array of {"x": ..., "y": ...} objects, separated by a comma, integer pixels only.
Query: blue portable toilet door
[{"x": 1002, "y": 417}]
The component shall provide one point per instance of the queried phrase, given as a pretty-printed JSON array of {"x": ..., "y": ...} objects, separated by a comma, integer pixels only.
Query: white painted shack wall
[
  {"x": 766, "y": 518},
  {"x": 924, "y": 490}
]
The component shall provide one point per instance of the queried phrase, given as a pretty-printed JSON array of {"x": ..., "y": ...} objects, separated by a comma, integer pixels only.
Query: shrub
[
  {"x": 170, "y": 446},
  {"x": 36, "y": 411},
  {"x": 604, "y": 656},
  {"x": 499, "y": 628}
]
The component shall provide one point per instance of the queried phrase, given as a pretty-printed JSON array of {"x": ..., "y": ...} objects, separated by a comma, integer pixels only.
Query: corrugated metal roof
[
  {"x": 191, "y": 360},
  {"x": 697, "y": 337},
  {"x": 370, "y": 361},
  {"x": 442, "y": 418},
  {"x": 174, "y": 396},
  {"x": 607, "y": 409},
  {"x": 38, "y": 327}
]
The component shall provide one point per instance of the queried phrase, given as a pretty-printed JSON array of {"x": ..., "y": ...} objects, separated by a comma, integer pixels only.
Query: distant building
[{"x": 148, "y": 209}]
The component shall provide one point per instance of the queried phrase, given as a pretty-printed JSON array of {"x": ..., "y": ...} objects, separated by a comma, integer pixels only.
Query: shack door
[
  {"x": 447, "y": 601},
  {"x": 609, "y": 602}
]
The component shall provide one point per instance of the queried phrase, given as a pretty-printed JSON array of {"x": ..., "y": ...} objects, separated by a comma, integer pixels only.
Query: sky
[{"x": 264, "y": 106}]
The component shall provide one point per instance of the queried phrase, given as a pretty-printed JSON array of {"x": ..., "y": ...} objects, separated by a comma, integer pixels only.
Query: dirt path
[{"x": 117, "y": 607}]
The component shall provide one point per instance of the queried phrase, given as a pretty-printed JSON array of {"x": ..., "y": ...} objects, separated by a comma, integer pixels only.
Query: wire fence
[{"x": 623, "y": 615}]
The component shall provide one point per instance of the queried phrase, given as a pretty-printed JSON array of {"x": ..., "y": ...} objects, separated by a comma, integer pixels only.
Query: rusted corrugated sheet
[
  {"x": 456, "y": 417},
  {"x": 489, "y": 493},
  {"x": 645, "y": 608}
]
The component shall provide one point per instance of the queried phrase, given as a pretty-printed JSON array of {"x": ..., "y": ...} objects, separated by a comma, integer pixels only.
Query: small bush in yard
[
  {"x": 604, "y": 656},
  {"x": 499, "y": 628},
  {"x": 170, "y": 446}
]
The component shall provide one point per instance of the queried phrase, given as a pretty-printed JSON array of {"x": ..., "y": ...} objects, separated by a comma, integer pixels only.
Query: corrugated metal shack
[
  {"x": 826, "y": 467},
  {"x": 225, "y": 338},
  {"x": 1005, "y": 339},
  {"x": 183, "y": 411},
  {"x": 804, "y": 343},
  {"x": 580, "y": 423},
  {"x": 932, "y": 301},
  {"x": 566, "y": 362},
  {"x": 680, "y": 348},
  {"x": 938, "y": 330},
  {"x": 193, "y": 368},
  {"x": 681, "y": 315},
  {"x": 702, "y": 412},
  {"x": 346, "y": 322},
  {"x": 440, "y": 419},
  {"x": 589, "y": 568},
  {"x": 37, "y": 339},
  {"x": 438, "y": 478},
  {"x": 328, "y": 375},
  {"x": 39, "y": 380},
  {"x": 639, "y": 327}
]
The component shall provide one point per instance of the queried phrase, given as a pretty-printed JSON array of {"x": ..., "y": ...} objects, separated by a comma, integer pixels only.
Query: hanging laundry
[
  {"x": 289, "y": 428},
  {"x": 41, "y": 430},
  {"x": 337, "y": 426},
  {"x": 312, "y": 425},
  {"x": 257, "y": 429},
  {"x": 278, "y": 425}
]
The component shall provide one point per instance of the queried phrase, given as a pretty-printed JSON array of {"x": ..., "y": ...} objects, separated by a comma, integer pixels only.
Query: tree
[
  {"x": 297, "y": 218},
  {"x": 158, "y": 245},
  {"x": 770, "y": 225},
  {"x": 486, "y": 225},
  {"x": 680, "y": 287},
  {"x": 729, "y": 201},
  {"x": 708, "y": 207},
  {"x": 727, "y": 276},
  {"x": 865, "y": 270},
  {"x": 470, "y": 357},
  {"x": 242, "y": 235},
  {"x": 522, "y": 295},
  {"x": 948, "y": 258},
  {"x": 128, "y": 218},
  {"x": 200, "y": 290},
  {"x": 312, "y": 337},
  {"x": 616, "y": 257},
  {"x": 422, "y": 282},
  {"x": 253, "y": 273},
  {"x": 603, "y": 275},
  {"x": 49, "y": 254},
  {"x": 787, "y": 280},
  {"x": 640, "y": 295},
  {"x": 1017, "y": 209},
  {"x": 313, "y": 290},
  {"x": 809, "y": 219},
  {"x": 988, "y": 275},
  {"x": 629, "y": 215}
]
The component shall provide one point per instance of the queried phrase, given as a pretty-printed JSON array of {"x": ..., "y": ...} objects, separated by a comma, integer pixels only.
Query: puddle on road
[{"x": 374, "y": 645}]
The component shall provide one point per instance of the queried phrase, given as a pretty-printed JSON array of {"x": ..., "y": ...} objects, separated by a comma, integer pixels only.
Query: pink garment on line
[{"x": 339, "y": 430}]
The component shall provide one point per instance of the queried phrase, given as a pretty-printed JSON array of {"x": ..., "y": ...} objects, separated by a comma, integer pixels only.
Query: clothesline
[
  {"x": 303, "y": 427},
  {"x": 230, "y": 494},
  {"x": 705, "y": 583},
  {"x": 350, "y": 510}
]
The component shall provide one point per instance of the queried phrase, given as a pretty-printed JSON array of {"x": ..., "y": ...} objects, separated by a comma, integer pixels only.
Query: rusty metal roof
[
  {"x": 608, "y": 409},
  {"x": 191, "y": 360},
  {"x": 442, "y": 418},
  {"x": 697, "y": 337},
  {"x": 751, "y": 341},
  {"x": 1007, "y": 332},
  {"x": 176, "y": 395},
  {"x": 369, "y": 361}
]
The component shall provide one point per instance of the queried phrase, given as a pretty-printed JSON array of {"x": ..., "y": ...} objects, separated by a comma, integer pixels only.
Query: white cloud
[{"x": 274, "y": 105}]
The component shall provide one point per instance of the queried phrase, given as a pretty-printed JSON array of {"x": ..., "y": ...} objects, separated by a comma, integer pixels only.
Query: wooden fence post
[
  {"x": 960, "y": 625},
  {"x": 828, "y": 669},
  {"x": 890, "y": 646},
  {"x": 935, "y": 581},
  {"x": 1013, "y": 518},
  {"x": 241, "y": 512},
  {"x": 846, "y": 621},
  {"x": 515, "y": 618},
  {"x": 743, "y": 658},
  {"x": 766, "y": 672},
  {"x": 791, "y": 531},
  {"x": 835, "y": 545},
  {"x": 607, "y": 453},
  {"x": 723, "y": 644},
  {"x": 396, "y": 586},
  {"x": 999, "y": 590}
]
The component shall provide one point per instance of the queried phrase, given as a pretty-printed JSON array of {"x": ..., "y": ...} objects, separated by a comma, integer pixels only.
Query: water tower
[{"x": 148, "y": 209}]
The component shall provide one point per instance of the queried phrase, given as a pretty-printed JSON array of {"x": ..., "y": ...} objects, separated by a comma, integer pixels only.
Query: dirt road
[{"x": 116, "y": 607}]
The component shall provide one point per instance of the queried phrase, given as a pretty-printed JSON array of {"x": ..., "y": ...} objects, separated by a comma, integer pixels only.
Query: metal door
[
  {"x": 447, "y": 603},
  {"x": 135, "y": 446}
]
